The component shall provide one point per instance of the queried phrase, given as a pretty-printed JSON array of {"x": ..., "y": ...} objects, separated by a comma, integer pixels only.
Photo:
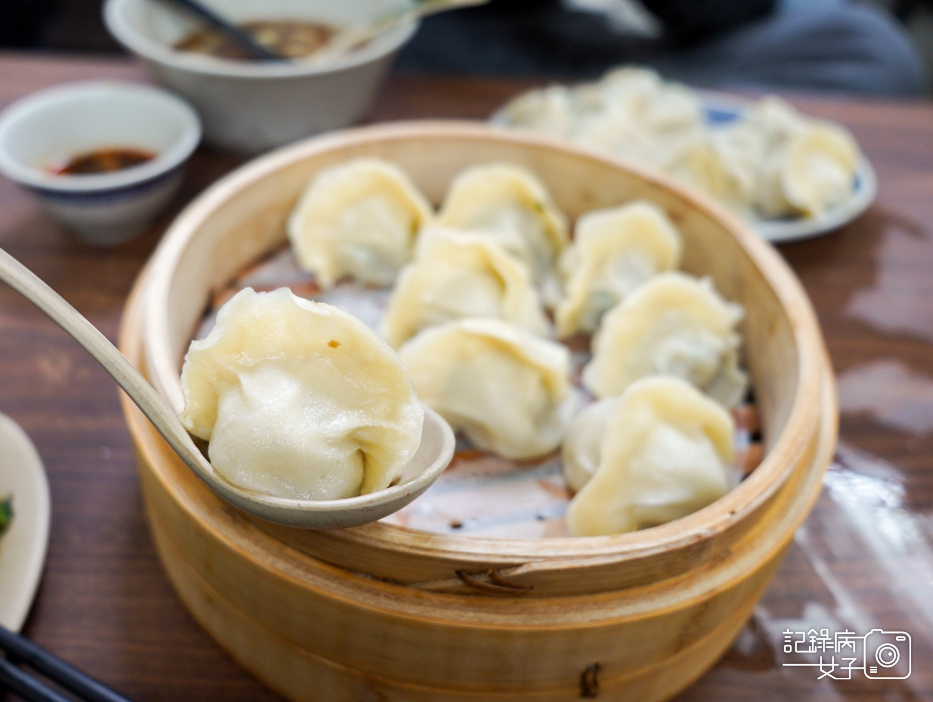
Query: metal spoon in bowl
[
  {"x": 433, "y": 455},
  {"x": 221, "y": 24},
  {"x": 344, "y": 41}
]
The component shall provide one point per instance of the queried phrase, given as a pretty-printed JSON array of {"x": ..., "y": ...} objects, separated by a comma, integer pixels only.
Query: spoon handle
[{"x": 34, "y": 289}]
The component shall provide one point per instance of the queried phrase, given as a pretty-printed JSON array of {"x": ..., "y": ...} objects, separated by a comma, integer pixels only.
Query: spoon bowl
[{"x": 432, "y": 457}]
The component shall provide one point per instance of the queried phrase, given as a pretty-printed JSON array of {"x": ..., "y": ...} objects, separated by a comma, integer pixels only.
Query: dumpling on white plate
[
  {"x": 548, "y": 111},
  {"x": 635, "y": 113},
  {"x": 660, "y": 451},
  {"x": 814, "y": 171},
  {"x": 299, "y": 399},
  {"x": 358, "y": 219},
  {"x": 775, "y": 161},
  {"x": 674, "y": 324},
  {"x": 459, "y": 274},
  {"x": 505, "y": 388},
  {"x": 512, "y": 205},
  {"x": 726, "y": 164},
  {"x": 613, "y": 252}
]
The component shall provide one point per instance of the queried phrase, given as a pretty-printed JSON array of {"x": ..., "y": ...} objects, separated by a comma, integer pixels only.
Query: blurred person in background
[
  {"x": 828, "y": 45},
  {"x": 22, "y": 21},
  {"x": 808, "y": 45}
]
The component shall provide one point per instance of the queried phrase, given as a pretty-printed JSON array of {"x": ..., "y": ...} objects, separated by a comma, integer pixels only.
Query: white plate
[
  {"x": 23, "y": 546},
  {"x": 722, "y": 109}
]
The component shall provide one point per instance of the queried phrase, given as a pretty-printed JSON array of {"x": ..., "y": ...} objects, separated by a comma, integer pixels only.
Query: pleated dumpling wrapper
[
  {"x": 504, "y": 387},
  {"x": 613, "y": 252},
  {"x": 633, "y": 112},
  {"x": 358, "y": 219},
  {"x": 299, "y": 399},
  {"x": 551, "y": 111},
  {"x": 459, "y": 274},
  {"x": 512, "y": 205},
  {"x": 815, "y": 172},
  {"x": 774, "y": 162},
  {"x": 630, "y": 111},
  {"x": 660, "y": 451},
  {"x": 726, "y": 164},
  {"x": 674, "y": 324},
  {"x": 805, "y": 165}
]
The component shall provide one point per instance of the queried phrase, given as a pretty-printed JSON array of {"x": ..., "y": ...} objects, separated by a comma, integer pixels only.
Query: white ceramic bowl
[
  {"x": 50, "y": 126},
  {"x": 252, "y": 106}
]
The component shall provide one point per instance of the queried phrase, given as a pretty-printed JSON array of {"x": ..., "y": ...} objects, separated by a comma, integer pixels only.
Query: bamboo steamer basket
[{"x": 382, "y": 612}]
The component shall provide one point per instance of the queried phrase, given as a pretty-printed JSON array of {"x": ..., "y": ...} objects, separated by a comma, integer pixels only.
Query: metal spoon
[{"x": 434, "y": 454}]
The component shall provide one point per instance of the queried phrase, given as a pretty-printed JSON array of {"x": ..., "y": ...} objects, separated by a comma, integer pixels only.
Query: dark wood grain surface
[{"x": 863, "y": 561}]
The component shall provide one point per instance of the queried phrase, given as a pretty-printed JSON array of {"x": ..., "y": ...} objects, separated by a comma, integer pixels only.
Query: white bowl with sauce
[
  {"x": 56, "y": 143},
  {"x": 250, "y": 106}
]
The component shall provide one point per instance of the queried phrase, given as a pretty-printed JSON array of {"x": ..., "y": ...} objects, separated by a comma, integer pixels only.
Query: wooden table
[{"x": 863, "y": 560}]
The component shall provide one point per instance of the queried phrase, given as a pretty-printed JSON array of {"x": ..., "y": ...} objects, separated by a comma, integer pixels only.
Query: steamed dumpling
[
  {"x": 658, "y": 452},
  {"x": 815, "y": 171},
  {"x": 630, "y": 112},
  {"x": 456, "y": 275},
  {"x": 804, "y": 165},
  {"x": 550, "y": 111},
  {"x": 358, "y": 219},
  {"x": 511, "y": 205},
  {"x": 580, "y": 450},
  {"x": 772, "y": 161},
  {"x": 299, "y": 399},
  {"x": 675, "y": 325},
  {"x": 634, "y": 113},
  {"x": 613, "y": 252},
  {"x": 775, "y": 162},
  {"x": 505, "y": 388},
  {"x": 725, "y": 164}
]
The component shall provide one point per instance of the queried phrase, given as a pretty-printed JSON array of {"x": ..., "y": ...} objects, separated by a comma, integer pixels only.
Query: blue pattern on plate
[{"x": 720, "y": 115}]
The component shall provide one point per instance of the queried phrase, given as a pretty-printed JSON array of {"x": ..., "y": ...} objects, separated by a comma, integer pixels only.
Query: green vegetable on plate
[{"x": 6, "y": 513}]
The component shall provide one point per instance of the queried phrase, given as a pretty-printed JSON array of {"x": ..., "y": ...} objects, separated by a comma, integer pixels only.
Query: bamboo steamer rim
[{"x": 732, "y": 508}]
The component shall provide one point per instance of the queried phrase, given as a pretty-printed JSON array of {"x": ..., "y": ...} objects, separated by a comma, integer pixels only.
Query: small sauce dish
[{"x": 41, "y": 134}]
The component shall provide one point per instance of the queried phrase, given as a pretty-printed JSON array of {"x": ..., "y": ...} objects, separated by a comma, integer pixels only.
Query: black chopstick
[
  {"x": 64, "y": 674},
  {"x": 23, "y": 685},
  {"x": 229, "y": 29}
]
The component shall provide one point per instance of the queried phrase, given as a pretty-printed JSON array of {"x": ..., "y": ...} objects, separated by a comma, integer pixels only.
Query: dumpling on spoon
[
  {"x": 458, "y": 274},
  {"x": 613, "y": 252},
  {"x": 358, "y": 219},
  {"x": 513, "y": 206},
  {"x": 299, "y": 399},
  {"x": 660, "y": 451}
]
